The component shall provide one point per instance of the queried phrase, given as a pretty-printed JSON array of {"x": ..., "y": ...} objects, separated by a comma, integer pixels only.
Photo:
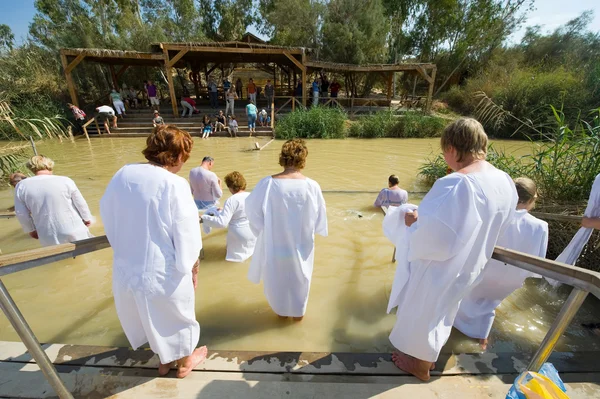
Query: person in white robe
[
  {"x": 152, "y": 224},
  {"x": 526, "y": 234},
  {"x": 51, "y": 208},
  {"x": 240, "y": 238},
  {"x": 285, "y": 211},
  {"x": 450, "y": 239}
]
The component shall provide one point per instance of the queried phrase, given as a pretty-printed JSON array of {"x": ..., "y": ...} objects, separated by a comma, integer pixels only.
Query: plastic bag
[{"x": 543, "y": 385}]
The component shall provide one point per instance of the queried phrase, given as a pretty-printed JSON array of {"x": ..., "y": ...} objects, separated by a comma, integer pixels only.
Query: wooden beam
[
  {"x": 424, "y": 74},
  {"x": 303, "y": 79},
  {"x": 430, "y": 93},
  {"x": 177, "y": 57},
  {"x": 239, "y": 50},
  {"x": 74, "y": 63},
  {"x": 299, "y": 64},
  {"x": 134, "y": 55},
  {"x": 168, "y": 71},
  {"x": 366, "y": 68},
  {"x": 122, "y": 70},
  {"x": 209, "y": 71},
  {"x": 69, "y": 78},
  {"x": 113, "y": 74},
  {"x": 390, "y": 78}
]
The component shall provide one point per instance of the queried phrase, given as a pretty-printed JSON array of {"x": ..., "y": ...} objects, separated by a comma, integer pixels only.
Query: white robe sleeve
[
  {"x": 544, "y": 242},
  {"x": 217, "y": 191},
  {"x": 186, "y": 227},
  {"x": 448, "y": 222},
  {"x": 79, "y": 202},
  {"x": 23, "y": 214},
  {"x": 255, "y": 204},
  {"x": 222, "y": 218},
  {"x": 321, "y": 225}
]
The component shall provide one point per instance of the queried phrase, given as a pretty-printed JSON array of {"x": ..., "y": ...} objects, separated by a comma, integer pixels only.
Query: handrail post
[
  {"x": 31, "y": 343},
  {"x": 568, "y": 311}
]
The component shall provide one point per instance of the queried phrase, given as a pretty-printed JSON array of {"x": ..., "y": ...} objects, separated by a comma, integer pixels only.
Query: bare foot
[
  {"x": 418, "y": 368},
  {"x": 483, "y": 343},
  {"x": 163, "y": 369},
  {"x": 187, "y": 364},
  {"x": 298, "y": 318}
]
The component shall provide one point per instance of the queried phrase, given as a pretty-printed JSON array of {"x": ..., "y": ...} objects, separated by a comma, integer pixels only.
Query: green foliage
[
  {"x": 433, "y": 169},
  {"x": 26, "y": 121},
  {"x": 7, "y": 39},
  {"x": 316, "y": 122},
  {"x": 564, "y": 167},
  {"x": 293, "y": 23},
  {"x": 12, "y": 159},
  {"x": 354, "y": 32},
  {"x": 388, "y": 124}
]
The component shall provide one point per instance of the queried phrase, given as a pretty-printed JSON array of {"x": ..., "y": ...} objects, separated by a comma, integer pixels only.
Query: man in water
[{"x": 206, "y": 186}]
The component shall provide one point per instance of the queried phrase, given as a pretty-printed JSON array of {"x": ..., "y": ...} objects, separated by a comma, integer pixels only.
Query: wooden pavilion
[{"x": 208, "y": 56}]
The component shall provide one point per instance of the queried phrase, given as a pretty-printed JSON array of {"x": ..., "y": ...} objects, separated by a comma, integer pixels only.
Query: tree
[
  {"x": 7, "y": 38},
  {"x": 227, "y": 19},
  {"x": 294, "y": 23}
]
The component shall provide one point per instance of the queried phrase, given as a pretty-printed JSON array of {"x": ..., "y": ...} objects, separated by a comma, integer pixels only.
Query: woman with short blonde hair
[
  {"x": 450, "y": 239},
  {"x": 240, "y": 239},
  {"x": 285, "y": 211},
  {"x": 49, "y": 207},
  {"x": 152, "y": 224}
]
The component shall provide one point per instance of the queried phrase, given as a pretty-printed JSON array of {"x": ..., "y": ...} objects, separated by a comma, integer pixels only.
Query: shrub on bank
[
  {"x": 388, "y": 124},
  {"x": 313, "y": 123}
]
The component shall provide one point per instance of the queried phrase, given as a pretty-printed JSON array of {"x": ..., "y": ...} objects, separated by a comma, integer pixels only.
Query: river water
[{"x": 71, "y": 302}]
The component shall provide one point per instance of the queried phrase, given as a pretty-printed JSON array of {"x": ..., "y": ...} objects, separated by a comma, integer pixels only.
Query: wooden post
[
  {"x": 414, "y": 85},
  {"x": 168, "y": 71},
  {"x": 69, "y": 78},
  {"x": 304, "y": 78},
  {"x": 389, "y": 88},
  {"x": 113, "y": 74},
  {"x": 430, "y": 93}
]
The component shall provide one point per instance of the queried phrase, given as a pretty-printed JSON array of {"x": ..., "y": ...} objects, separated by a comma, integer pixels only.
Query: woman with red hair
[{"x": 152, "y": 224}]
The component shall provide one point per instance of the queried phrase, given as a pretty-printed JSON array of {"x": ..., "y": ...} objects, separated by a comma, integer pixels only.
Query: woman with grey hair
[{"x": 51, "y": 208}]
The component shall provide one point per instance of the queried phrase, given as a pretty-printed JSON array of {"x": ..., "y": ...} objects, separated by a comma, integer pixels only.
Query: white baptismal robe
[
  {"x": 459, "y": 223},
  {"x": 152, "y": 224},
  {"x": 240, "y": 239},
  {"x": 498, "y": 280},
  {"x": 395, "y": 229},
  {"x": 285, "y": 214},
  {"x": 54, "y": 207}
]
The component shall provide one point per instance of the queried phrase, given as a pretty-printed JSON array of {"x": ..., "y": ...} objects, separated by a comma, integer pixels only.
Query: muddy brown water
[{"x": 71, "y": 302}]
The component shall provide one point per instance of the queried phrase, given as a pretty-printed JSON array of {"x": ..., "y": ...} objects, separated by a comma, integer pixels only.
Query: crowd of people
[{"x": 445, "y": 276}]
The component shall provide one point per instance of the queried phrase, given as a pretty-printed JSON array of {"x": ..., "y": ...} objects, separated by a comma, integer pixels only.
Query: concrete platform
[{"x": 101, "y": 372}]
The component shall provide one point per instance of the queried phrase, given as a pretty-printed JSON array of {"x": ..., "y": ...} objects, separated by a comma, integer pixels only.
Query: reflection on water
[{"x": 71, "y": 302}]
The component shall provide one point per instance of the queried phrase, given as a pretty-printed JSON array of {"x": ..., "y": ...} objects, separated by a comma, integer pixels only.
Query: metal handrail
[{"x": 584, "y": 281}]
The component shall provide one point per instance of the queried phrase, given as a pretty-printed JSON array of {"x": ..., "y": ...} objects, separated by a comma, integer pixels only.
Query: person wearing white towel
[
  {"x": 450, "y": 239},
  {"x": 526, "y": 234},
  {"x": 240, "y": 239}
]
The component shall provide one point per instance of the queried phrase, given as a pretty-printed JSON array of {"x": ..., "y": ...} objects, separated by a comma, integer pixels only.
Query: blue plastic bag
[{"x": 543, "y": 385}]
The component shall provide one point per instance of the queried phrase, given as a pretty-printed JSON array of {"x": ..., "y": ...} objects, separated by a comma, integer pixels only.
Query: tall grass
[
  {"x": 12, "y": 159},
  {"x": 564, "y": 166},
  {"x": 317, "y": 122},
  {"x": 389, "y": 124},
  {"x": 25, "y": 121}
]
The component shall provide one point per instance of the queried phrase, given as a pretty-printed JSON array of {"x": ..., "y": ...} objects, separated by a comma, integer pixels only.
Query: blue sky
[{"x": 548, "y": 13}]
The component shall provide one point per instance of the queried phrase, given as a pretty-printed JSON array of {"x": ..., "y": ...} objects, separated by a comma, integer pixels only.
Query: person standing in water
[
  {"x": 153, "y": 227},
  {"x": 206, "y": 186},
  {"x": 49, "y": 207},
  {"x": 498, "y": 280},
  {"x": 285, "y": 212},
  {"x": 240, "y": 239},
  {"x": 450, "y": 239},
  {"x": 392, "y": 196}
]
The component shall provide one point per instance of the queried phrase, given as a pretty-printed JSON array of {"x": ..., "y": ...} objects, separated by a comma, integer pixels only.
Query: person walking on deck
[
  {"x": 117, "y": 101},
  {"x": 206, "y": 186},
  {"x": 213, "y": 92},
  {"x": 450, "y": 239},
  {"x": 154, "y": 231},
  {"x": 230, "y": 96},
  {"x": 269, "y": 93},
  {"x": 239, "y": 86},
  {"x": 152, "y": 95},
  {"x": 251, "y": 91},
  {"x": 50, "y": 207},
  {"x": 315, "y": 91}
]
